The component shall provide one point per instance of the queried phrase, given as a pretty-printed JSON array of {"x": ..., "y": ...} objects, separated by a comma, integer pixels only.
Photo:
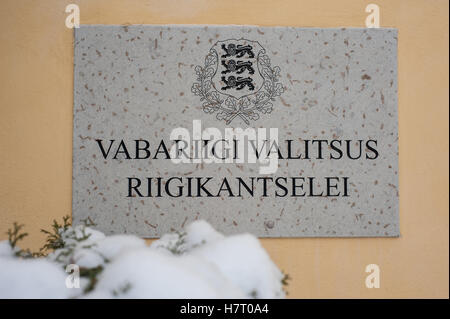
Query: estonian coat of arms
[{"x": 237, "y": 81}]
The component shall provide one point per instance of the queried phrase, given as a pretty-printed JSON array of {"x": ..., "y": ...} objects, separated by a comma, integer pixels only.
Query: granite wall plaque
[{"x": 318, "y": 108}]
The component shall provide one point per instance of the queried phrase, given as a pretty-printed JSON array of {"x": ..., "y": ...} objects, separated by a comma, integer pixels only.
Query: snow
[
  {"x": 245, "y": 263},
  {"x": 28, "y": 278},
  {"x": 87, "y": 258},
  {"x": 112, "y": 246},
  {"x": 77, "y": 239},
  {"x": 196, "y": 234},
  {"x": 6, "y": 249},
  {"x": 200, "y": 232},
  {"x": 196, "y": 263},
  {"x": 147, "y": 273}
]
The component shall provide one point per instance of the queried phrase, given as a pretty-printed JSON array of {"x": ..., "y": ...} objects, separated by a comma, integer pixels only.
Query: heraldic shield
[
  {"x": 237, "y": 72},
  {"x": 237, "y": 81}
]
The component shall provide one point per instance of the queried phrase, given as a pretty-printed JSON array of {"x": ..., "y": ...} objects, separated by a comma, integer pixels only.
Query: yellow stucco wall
[{"x": 36, "y": 81}]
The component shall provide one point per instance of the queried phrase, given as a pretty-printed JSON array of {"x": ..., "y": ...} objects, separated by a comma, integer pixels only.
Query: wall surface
[{"x": 36, "y": 99}]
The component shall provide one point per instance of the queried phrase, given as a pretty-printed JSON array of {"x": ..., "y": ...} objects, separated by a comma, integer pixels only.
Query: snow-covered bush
[{"x": 198, "y": 263}]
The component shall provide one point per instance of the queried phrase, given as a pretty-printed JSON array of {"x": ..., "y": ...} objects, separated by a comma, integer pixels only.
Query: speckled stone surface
[{"x": 135, "y": 82}]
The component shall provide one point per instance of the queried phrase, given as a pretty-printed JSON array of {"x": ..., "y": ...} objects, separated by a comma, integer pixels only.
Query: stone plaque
[{"x": 280, "y": 132}]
